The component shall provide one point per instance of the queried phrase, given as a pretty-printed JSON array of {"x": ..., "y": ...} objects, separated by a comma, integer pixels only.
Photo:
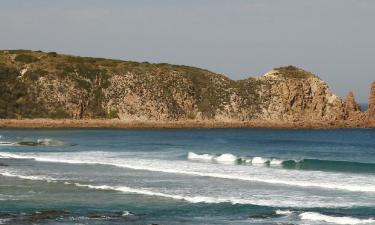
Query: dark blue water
[
  {"x": 364, "y": 106},
  {"x": 187, "y": 176}
]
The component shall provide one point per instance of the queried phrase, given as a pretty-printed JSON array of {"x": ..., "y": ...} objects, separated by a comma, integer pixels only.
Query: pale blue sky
[{"x": 333, "y": 38}]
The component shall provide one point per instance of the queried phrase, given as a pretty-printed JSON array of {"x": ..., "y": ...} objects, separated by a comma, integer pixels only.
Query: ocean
[
  {"x": 187, "y": 176},
  {"x": 364, "y": 107}
]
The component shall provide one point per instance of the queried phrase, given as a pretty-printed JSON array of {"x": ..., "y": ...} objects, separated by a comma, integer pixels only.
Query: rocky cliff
[
  {"x": 50, "y": 85},
  {"x": 371, "y": 104}
]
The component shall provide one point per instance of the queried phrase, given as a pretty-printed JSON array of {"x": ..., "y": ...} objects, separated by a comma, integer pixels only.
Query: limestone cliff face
[
  {"x": 371, "y": 104},
  {"x": 49, "y": 85}
]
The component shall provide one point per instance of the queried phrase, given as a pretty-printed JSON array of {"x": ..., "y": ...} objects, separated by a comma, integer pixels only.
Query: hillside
[{"x": 50, "y": 85}]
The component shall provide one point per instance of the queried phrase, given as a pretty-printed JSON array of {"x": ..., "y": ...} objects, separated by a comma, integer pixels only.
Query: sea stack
[
  {"x": 351, "y": 106},
  {"x": 371, "y": 104}
]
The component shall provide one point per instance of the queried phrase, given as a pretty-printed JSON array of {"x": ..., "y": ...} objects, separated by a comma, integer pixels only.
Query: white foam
[
  {"x": 259, "y": 160},
  {"x": 313, "y": 216},
  {"x": 276, "y": 162},
  {"x": 42, "y": 141},
  {"x": 6, "y": 143},
  {"x": 284, "y": 212},
  {"x": 127, "y": 213},
  {"x": 14, "y": 156},
  {"x": 310, "y": 179},
  {"x": 191, "y": 199},
  {"x": 4, "y": 221},
  {"x": 27, "y": 177},
  {"x": 125, "y": 189},
  {"x": 200, "y": 157},
  {"x": 129, "y": 190},
  {"x": 50, "y": 142},
  {"x": 226, "y": 158},
  {"x": 247, "y": 160},
  {"x": 211, "y": 195}
]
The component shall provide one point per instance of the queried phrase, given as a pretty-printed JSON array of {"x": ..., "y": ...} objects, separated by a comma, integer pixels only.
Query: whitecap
[
  {"x": 200, "y": 157},
  {"x": 13, "y": 156},
  {"x": 4, "y": 221},
  {"x": 284, "y": 212},
  {"x": 27, "y": 177},
  {"x": 50, "y": 142},
  {"x": 276, "y": 162},
  {"x": 246, "y": 160},
  {"x": 259, "y": 160},
  {"x": 328, "y": 180},
  {"x": 226, "y": 158},
  {"x": 6, "y": 143},
  {"x": 127, "y": 213},
  {"x": 317, "y": 217},
  {"x": 191, "y": 199}
]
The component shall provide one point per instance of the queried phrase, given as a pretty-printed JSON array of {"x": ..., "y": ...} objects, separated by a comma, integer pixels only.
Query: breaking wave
[
  {"x": 28, "y": 177},
  {"x": 211, "y": 197},
  {"x": 192, "y": 199},
  {"x": 317, "y": 217},
  {"x": 305, "y": 179},
  {"x": 303, "y": 164},
  {"x": 322, "y": 218},
  {"x": 147, "y": 192}
]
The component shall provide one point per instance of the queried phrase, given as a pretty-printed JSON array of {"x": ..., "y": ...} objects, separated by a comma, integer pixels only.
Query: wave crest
[
  {"x": 313, "y": 179},
  {"x": 302, "y": 164},
  {"x": 317, "y": 217}
]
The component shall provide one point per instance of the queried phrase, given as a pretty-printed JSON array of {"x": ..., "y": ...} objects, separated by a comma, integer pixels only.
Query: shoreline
[{"x": 115, "y": 123}]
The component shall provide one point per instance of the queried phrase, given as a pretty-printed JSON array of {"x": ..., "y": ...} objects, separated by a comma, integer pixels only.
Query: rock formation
[
  {"x": 351, "y": 107},
  {"x": 371, "y": 104},
  {"x": 50, "y": 85},
  {"x": 292, "y": 94}
]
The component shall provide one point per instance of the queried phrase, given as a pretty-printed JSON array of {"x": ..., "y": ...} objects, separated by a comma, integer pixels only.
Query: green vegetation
[
  {"x": 209, "y": 89},
  {"x": 25, "y": 58},
  {"x": 294, "y": 72},
  {"x": 78, "y": 87},
  {"x": 8, "y": 73},
  {"x": 15, "y": 99},
  {"x": 248, "y": 91},
  {"x": 35, "y": 74},
  {"x": 113, "y": 114},
  {"x": 52, "y": 54}
]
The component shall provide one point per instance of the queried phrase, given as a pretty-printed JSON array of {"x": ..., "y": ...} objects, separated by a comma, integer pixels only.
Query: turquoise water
[{"x": 187, "y": 176}]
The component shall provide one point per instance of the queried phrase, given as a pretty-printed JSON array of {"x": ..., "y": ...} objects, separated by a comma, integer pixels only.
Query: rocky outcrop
[
  {"x": 292, "y": 94},
  {"x": 371, "y": 104},
  {"x": 352, "y": 109},
  {"x": 50, "y": 85}
]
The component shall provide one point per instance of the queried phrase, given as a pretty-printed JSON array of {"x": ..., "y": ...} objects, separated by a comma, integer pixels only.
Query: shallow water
[{"x": 187, "y": 176}]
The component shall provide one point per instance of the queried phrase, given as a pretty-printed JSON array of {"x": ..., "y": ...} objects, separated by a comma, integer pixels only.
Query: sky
[{"x": 334, "y": 39}]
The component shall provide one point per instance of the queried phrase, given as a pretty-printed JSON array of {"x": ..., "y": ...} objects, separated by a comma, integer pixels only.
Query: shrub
[
  {"x": 113, "y": 114},
  {"x": 35, "y": 74},
  {"x": 7, "y": 73},
  {"x": 52, "y": 54},
  {"x": 294, "y": 72},
  {"x": 84, "y": 84},
  {"x": 25, "y": 58},
  {"x": 60, "y": 114}
]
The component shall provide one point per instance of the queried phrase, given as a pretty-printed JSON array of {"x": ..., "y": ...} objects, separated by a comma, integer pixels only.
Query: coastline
[{"x": 115, "y": 123}]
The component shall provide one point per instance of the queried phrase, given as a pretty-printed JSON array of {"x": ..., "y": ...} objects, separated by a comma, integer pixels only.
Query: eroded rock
[
  {"x": 351, "y": 106},
  {"x": 371, "y": 104}
]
